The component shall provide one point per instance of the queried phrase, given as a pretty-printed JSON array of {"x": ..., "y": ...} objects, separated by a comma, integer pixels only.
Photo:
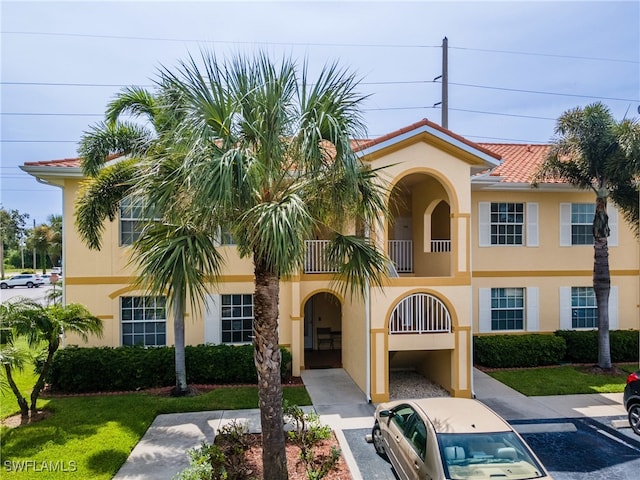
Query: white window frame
[
  {"x": 231, "y": 313},
  {"x": 566, "y": 311},
  {"x": 566, "y": 225},
  {"x": 531, "y": 321},
  {"x": 145, "y": 316},
  {"x": 129, "y": 205},
  {"x": 530, "y": 230}
]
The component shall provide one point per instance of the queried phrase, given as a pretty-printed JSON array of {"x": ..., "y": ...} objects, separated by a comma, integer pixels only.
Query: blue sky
[{"x": 514, "y": 66}]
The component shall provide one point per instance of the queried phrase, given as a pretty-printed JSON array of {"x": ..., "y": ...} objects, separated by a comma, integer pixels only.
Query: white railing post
[
  {"x": 401, "y": 253},
  {"x": 315, "y": 260}
]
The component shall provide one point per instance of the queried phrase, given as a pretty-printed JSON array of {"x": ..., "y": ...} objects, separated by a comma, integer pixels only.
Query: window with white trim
[
  {"x": 507, "y": 309},
  {"x": 236, "y": 315},
  {"x": 507, "y": 223},
  {"x": 131, "y": 219},
  {"x": 582, "y": 223},
  {"x": 584, "y": 310},
  {"x": 143, "y": 321}
]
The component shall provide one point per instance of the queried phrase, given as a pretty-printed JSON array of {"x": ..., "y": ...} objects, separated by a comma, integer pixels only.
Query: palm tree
[
  {"x": 172, "y": 257},
  {"x": 176, "y": 260},
  {"x": 258, "y": 150},
  {"x": 595, "y": 152},
  {"x": 269, "y": 157},
  {"x": 39, "y": 324}
]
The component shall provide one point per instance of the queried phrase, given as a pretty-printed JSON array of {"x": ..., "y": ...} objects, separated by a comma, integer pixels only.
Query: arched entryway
[{"x": 322, "y": 331}]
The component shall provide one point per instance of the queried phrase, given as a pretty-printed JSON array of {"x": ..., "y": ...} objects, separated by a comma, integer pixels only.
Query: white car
[
  {"x": 451, "y": 438},
  {"x": 28, "y": 280}
]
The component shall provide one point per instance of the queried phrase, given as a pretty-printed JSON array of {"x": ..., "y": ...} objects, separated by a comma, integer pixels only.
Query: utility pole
[
  {"x": 445, "y": 83},
  {"x": 444, "y": 103}
]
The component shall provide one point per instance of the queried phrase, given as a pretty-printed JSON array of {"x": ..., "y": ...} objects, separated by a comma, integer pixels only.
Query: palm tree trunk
[
  {"x": 267, "y": 360},
  {"x": 602, "y": 280},
  {"x": 178, "y": 332},
  {"x": 37, "y": 388},
  {"x": 22, "y": 402}
]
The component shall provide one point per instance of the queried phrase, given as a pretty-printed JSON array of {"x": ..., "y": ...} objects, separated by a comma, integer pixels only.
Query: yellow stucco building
[{"x": 476, "y": 251}]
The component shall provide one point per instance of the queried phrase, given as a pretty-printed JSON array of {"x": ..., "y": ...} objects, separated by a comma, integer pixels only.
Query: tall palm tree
[
  {"x": 595, "y": 152},
  {"x": 172, "y": 257},
  {"x": 269, "y": 157},
  {"x": 45, "y": 325}
]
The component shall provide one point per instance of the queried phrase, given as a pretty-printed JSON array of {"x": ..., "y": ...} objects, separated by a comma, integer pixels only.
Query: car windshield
[{"x": 485, "y": 455}]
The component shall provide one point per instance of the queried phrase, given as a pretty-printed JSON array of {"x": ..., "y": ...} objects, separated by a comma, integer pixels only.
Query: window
[
  {"x": 131, "y": 219},
  {"x": 581, "y": 223},
  {"x": 584, "y": 311},
  {"x": 507, "y": 223},
  {"x": 144, "y": 321},
  {"x": 507, "y": 309},
  {"x": 237, "y": 318},
  {"x": 225, "y": 237}
]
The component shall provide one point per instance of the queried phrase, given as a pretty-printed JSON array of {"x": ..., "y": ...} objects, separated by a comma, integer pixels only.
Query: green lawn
[
  {"x": 92, "y": 436},
  {"x": 564, "y": 380}
]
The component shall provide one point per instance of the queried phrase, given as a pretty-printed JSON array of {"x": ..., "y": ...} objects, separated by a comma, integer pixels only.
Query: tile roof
[
  {"x": 65, "y": 163},
  {"x": 519, "y": 162}
]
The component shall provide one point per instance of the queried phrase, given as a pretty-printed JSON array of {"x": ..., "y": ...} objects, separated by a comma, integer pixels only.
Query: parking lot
[
  {"x": 593, "y": 450},
  {"x": 37, "y": 294}
]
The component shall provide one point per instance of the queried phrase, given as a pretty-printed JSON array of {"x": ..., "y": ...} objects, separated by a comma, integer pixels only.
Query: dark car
[{"x": 632, "y": 400}]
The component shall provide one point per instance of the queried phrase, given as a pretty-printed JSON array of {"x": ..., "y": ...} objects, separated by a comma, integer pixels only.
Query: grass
[
  {"x": 563, "y": 380},
  {"x": 92, "y": 436}
]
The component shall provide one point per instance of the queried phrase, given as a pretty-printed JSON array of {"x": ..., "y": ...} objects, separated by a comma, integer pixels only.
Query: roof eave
[{"x": 489, "y": 160}]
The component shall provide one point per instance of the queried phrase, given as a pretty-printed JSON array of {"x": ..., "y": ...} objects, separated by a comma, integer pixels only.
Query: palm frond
[
  {"x": 104, "y": 140},
  {"x": 99, "y": 199},
  {"x": 135, "y": 101}
]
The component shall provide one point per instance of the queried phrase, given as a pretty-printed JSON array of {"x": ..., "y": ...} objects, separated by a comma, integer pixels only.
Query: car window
[
  {"x": 416, "y": 433},
  {"x": 486, "y": 455},
  {"x": 401, "y": 416}
]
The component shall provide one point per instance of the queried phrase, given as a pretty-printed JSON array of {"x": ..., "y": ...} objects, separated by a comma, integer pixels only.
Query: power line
[{"x": 314, "y": 44}]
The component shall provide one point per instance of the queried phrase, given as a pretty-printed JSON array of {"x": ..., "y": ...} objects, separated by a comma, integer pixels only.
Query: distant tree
[
  {"x": 55, "y": 241},
  {"x": 595, "y": 152},
  {"x": 39, "y": 239},
  {"x": 12, "y": 230}
]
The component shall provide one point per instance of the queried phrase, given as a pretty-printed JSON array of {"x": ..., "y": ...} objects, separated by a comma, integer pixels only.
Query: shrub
[
  {"x": 512, "y": 351},
  {"x": 99, "y": 369},
  {"x": 582, "y": 345}
]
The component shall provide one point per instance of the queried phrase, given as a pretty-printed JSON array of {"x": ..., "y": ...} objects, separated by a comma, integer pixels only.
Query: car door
[
  {"x": 415, "y": 449},
  {"x": 396, "y": 439}
]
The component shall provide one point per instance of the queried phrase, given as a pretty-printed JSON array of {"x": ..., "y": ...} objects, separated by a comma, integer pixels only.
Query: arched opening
[{"x": 322, "y": 331}]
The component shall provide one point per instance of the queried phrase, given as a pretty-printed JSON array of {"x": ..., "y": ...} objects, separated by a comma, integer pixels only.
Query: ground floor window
[
  {"x": 237, "y": 318},
  {"x": 584, "y": 311},
  {"x": 144, "y": 321},
  {"x": 507, "y": 309}
]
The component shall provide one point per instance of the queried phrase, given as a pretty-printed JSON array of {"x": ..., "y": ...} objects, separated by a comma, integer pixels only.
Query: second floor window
[
  {"x": 507, "y": 223},
  {"x": 581, "y": 223},
  {"x": 131, "y": 219}
]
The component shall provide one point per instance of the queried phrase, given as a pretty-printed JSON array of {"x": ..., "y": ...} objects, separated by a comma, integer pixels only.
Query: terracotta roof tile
[
  {"x": 63, "y": 163},
  {"x": 519, "y": 161}
]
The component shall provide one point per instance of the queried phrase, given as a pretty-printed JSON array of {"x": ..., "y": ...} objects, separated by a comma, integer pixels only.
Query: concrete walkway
[{"x": 161, "y": 453}]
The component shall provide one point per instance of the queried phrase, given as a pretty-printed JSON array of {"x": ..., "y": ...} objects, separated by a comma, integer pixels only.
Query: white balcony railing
[
  {"x": 438, "y": 246},
  {"x": 420, "y": 313},
  {"x": 401, "y": 254},
  {"x": 315, "y": 260}
]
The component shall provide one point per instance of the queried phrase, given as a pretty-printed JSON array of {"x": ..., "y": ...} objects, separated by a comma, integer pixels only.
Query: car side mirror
[{"x": 385, "y": 413}]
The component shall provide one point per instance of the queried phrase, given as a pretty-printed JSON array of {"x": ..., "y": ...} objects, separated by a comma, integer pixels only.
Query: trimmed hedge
[
  {"x": 103, "y": 369},
  {"x": 514, "y": 351},
  {"x": 582, "y": 346}
]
